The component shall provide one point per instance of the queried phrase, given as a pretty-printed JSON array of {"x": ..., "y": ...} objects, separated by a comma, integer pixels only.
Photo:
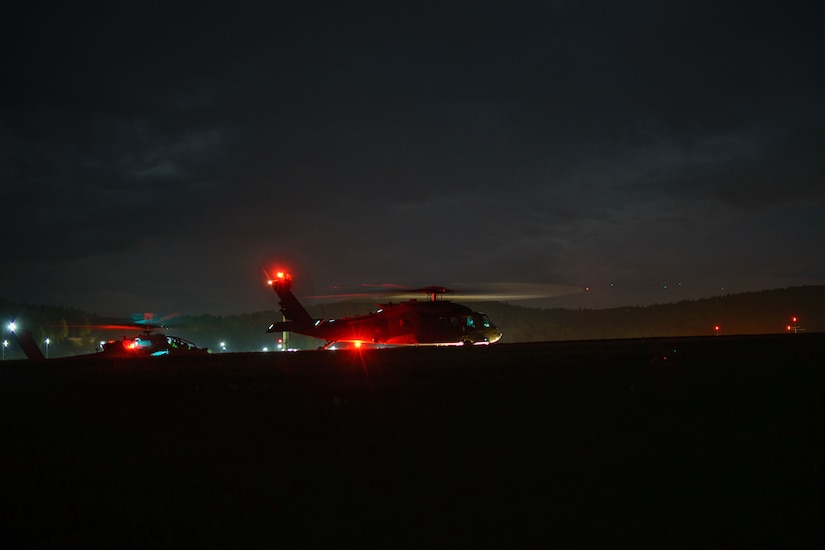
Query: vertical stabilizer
[{"x": 290, "y": 306}]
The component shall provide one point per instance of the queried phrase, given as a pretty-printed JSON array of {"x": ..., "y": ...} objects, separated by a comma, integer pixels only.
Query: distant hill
[
  {"x": 72, "y": 331},
  {"x": 764, "y": 312}
]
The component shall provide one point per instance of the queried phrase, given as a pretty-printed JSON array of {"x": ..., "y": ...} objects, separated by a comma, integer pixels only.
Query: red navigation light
[
  {"x": 357, "y": 344},
  {"x": 281, "y": 279},
  {"x": 788, "y": 328},
  {"x": 793, "y": 319}
]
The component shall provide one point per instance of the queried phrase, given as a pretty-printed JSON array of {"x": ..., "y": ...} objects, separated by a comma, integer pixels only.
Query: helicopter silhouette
[
  {"x": 434, "y": 321},
  {"x": 149, "y": 343}
]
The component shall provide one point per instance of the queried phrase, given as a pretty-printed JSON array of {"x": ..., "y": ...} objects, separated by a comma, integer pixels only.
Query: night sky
[{"x": 156, "y": 154}]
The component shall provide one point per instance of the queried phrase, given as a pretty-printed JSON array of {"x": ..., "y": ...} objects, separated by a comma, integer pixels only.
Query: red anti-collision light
[{"x": 280, "y": 277}]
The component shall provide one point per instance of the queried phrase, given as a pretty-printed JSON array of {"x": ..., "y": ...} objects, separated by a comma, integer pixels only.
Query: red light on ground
[
  {"x": 358, "y": 344},
  {"x": 788, "y": 328},
  {"x": 129, "y": 345}
]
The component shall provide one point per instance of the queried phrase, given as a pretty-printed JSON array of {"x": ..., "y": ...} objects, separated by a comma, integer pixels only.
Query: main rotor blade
[
  {"x": 476, "y": 292},
  {"x": 152, "y": 319},
  {"x": 366, "y": 290},
  {"x": 511, "y": 291}
]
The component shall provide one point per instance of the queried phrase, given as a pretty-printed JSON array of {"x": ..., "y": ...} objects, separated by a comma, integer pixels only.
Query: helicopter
[
  {"x": 148, "y": 343},
  {"x": 430, "y": 322}
]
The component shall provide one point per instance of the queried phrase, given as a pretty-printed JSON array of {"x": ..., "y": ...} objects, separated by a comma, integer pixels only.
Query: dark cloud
[{"x": 156, "y": 154}]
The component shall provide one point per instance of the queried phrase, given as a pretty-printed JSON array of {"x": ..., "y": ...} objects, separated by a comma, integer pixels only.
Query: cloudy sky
[{"x": 156, "y": 154}]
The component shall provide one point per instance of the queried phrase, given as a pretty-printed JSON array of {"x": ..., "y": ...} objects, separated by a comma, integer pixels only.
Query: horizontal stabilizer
[{"x": 291, "y": 326}]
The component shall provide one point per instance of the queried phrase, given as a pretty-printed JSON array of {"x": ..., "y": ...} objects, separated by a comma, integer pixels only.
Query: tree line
[{"x": 73, "y": 331}]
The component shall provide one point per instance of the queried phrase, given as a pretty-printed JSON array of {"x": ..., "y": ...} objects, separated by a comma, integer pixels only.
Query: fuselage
[
  {"x": 412, "y": 323},
  {"x": 406, "y": 323},
  {"x": 151, "y": 345}
]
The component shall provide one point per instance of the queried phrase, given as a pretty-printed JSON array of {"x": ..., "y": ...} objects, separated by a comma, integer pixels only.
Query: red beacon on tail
[{"x": 430, "y": 322}]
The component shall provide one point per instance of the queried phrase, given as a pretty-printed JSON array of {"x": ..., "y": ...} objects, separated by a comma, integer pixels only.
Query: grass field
[{"x": 695, "y": 442}]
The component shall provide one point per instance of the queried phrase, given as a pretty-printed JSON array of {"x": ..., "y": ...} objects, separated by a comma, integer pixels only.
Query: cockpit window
[{"x": 477, "y": 321}]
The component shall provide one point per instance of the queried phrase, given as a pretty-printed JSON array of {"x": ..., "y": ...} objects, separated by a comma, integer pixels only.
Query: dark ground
[{"x": 701, "y": 442}]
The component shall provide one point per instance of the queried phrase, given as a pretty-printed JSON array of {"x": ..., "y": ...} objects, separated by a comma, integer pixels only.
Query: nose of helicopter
[{"x": 495, "y": 336}]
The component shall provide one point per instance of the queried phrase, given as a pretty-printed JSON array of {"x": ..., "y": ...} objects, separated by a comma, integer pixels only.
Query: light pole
[
  {"x": 48, "y": 341},
  {"x": 11, "y": 327}
]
